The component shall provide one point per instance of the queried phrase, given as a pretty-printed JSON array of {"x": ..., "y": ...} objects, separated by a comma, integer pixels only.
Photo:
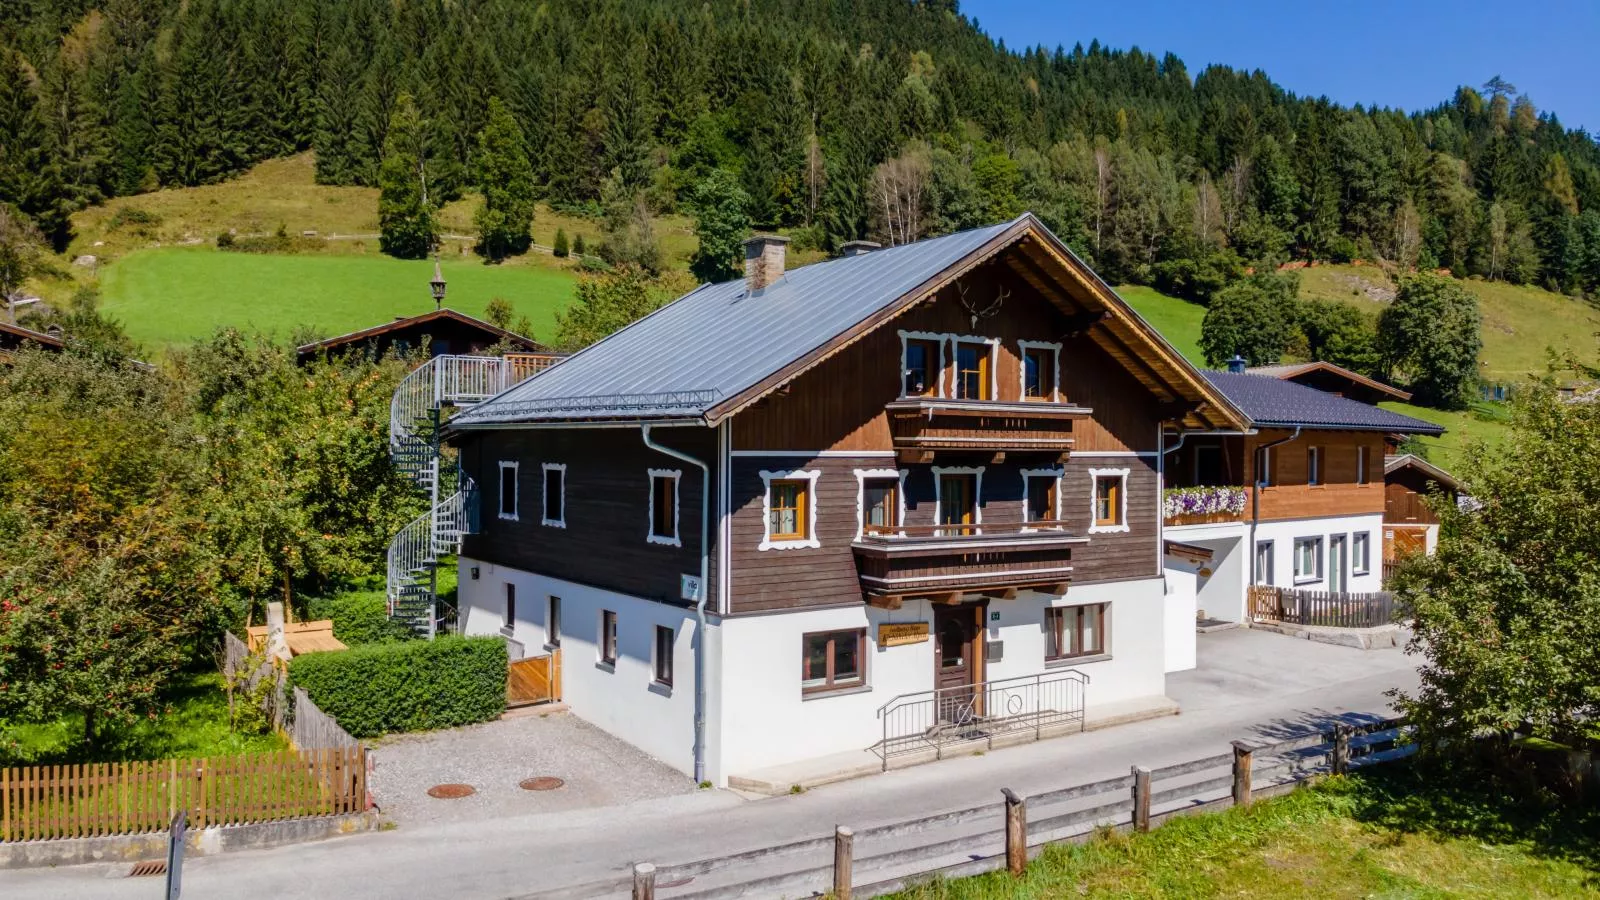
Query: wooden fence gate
[{"x": 536, "y": 679}]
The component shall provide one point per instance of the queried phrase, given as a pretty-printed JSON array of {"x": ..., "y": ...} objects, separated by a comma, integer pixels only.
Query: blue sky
[{"x": 1405, "y": 53}]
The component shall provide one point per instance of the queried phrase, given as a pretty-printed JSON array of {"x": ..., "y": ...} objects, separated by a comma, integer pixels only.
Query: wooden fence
[
  {"x": 870, "y": 862},
  {"x": 1321, "y": 608},
  {"x": 94, "y": 800},
  {"x": 536, "y": 679}
]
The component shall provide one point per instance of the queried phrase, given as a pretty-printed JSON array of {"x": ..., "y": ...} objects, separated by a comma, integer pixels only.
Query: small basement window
[
  {"x": 663, "y": 655},
  {"x": 555, "y": 495},
  {"x": 832, "y": 660},
  {"x": 508, "y": 490},
  {"x": 608, "y": 637}
]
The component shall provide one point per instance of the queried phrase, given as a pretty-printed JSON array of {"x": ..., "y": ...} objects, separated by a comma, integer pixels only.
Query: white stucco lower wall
[
  {"x": 1178, "y": 623},
  {"x": 1283, "y": 535},
  {"x": 767, "y": 721},
  {"x": 622, "y": 699}
]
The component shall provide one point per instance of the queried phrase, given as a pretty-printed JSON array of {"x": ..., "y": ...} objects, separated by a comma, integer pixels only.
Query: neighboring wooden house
[
  {"x": 778, "y": 506},
  {"x": 15, "y": 337},
  {"x": 1409, "y": 524},
  {"x": 1332, "y": 379},
  {"x": 1297, "y": 501},
  {"x": 442, "y": 332}
]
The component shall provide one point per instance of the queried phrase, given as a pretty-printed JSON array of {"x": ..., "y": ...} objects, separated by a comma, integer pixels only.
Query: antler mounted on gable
[{"x": 987, "y": 310}]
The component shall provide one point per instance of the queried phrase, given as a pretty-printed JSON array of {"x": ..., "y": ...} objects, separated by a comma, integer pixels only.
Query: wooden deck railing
[
  {"x": 1321, "y": 608},
  {"x": 98, "y": 799}
]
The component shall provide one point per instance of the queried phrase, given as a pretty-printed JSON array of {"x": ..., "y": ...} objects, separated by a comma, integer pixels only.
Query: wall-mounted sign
[
  {"x": 893, "y": 634},
  {"x": 689, "y": 587},
  {"x": 994, "y": 617}
]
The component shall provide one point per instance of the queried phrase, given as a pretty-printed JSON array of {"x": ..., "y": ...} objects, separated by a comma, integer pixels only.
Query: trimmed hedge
[
  {"x": 360, "y": 617},
  {"x": 412, "y": 686}
]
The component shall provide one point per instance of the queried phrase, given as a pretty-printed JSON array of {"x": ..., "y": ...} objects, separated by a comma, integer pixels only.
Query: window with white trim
[
  {"x": 789, "y": 513},
  {"x": 958, "y": 499},
  {"x": 880, "y": 501},
  {"x": 1041, "y": 495},
  {"x": 1307, "y": 559},
  {"x": 664, "y": 507},
  {"x": 1108, "y": 500},
  {"x": 922, "y": 365},
  {"x": 1040, "y": 370},
  {"x": 508, "y": 490},
  {"x": 1361, "y": 552},
  {"x": 974, "y": 368},
  {"x": 553, "y": 497}
]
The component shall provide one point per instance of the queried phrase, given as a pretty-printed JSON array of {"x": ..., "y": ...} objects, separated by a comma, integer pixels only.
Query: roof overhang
[
  {"x": 1040, "y": 259},
  {"x": 1394, "y": 464}
]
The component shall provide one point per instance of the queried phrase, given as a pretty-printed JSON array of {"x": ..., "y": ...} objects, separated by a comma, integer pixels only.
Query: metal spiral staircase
[{"x": 415, "y": 414}]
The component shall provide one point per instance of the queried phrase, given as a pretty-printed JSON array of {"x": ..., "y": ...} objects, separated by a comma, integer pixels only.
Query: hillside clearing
[
  {"x": 1177, "y": 320},
  {"x": 172, "y": 295}
]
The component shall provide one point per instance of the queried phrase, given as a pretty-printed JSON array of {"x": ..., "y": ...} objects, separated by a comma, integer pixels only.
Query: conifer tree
[
  {"x": 406, "y": 221},
  {"x": 561, "y": 248},
  {"x": 506, "y": 180}
]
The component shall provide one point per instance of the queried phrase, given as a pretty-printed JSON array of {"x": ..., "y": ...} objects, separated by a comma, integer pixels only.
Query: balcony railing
[
  {"x": 945, "y": 559},
  {"x": 935, "y": 423},
  {"x": 1204, "y": 505}
]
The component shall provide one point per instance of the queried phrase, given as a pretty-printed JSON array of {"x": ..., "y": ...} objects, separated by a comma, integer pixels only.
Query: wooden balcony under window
[
  {"x": 938, "y": 423},
  {"x": 943, "y": 561}
]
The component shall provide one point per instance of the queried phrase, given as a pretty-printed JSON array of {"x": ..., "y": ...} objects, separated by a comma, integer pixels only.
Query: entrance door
[
  {"x": 958, "y": 663},
  {"x": 1338, "y": 563}
]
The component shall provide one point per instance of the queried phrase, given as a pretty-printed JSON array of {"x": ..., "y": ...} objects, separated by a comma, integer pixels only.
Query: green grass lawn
[
  {"x": 1485, "y": 423},
  {"x": 194, "y": 723},
  {"x": 171, "y": 295},
  {"x": 1389, "y": 833},
  {"x": 1177, "y": 320}
]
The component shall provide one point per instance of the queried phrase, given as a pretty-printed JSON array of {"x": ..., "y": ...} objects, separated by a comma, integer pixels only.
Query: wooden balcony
[
  {"x": 945, "y": 561},
  {"x": 927, "y": 424}
]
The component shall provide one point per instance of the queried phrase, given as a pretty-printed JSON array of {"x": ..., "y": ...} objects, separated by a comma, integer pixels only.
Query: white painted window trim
[
  {"x": 994, "y": 362},
  {"x": 516, "y": 485},
  {"x": 861, "y": 495},
  {"x": 939, "y": 339},
  {"x": 977, "y": 491},
  {"x": 1321, "y": 544},
  {"x": 1122, "y": 495},
  {"x": 650, "y": 522},
  {"x": 1056, "y": 472},
  {"x": 1022, "y": 368},
  {"x": 1365, "y": 559},
  {"x": 767, "y": 478},
  {"x": 544, "y": 484}
]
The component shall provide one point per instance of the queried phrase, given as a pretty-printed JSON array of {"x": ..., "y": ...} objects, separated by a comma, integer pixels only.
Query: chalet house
[
  {"x": 1332, "y": 379},
  {"x": 1298, "y": 501},
  {"x": 15, "y": 337},
  {"x": 783, "y": 517},
  {"x": 442, "y": 332},
  {"x": 1409, "y": 524}
]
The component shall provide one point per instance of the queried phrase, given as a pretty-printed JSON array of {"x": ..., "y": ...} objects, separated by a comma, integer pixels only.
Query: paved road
[{"x": 1249, "y": 684}]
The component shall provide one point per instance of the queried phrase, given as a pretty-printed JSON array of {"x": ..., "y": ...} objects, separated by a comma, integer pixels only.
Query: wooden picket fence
[
  {"x": 98, "y": 799},
  {"x": 1321, "y": 608}
]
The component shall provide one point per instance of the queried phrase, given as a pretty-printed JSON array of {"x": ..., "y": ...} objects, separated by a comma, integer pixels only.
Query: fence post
[
  {"x": 1141, "y": 799},
  {"x": 1241, "y": 773},
  {"x": 644, "y": 881},
  {"x": 1016, "y": 833},
  {"x": 1341, "y": 749},
  {"x": 843, "y": 846}
]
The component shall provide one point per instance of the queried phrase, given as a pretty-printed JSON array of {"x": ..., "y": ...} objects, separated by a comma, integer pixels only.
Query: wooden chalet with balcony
[{"x": 783, "y": 516}]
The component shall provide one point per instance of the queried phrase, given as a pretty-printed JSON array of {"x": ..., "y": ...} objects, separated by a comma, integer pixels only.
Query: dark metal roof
[
  {"x": 721, "y": 339},
  {"x": 1300, "y": 372},
  {"x": 1273, "y": 402}
]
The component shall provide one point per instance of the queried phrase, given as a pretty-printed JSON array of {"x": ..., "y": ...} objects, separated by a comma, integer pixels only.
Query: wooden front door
[{"x": 958, "y": 661}]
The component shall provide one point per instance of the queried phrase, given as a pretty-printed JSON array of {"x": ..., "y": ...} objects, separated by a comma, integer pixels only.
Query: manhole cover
[
  {"x": 451, "y": 791},
  {"x": 148, "y": 867},
  {"x": 542, "y": 783}
]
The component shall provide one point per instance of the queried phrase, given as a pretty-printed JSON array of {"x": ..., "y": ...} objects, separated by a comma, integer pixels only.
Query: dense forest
[{"x": 840, "y": 119}]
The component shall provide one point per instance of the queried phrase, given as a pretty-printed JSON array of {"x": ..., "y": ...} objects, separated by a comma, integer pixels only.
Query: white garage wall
[{"x": 622, "y": 699}]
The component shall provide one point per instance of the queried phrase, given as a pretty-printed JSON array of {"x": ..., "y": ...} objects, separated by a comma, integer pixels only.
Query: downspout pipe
[
  {"x": 700, "y": 602},
  {"x": 1255, "y": 501}
]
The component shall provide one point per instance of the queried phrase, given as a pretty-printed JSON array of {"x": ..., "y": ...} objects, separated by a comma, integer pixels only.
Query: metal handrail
[{"x": 937, "y": 718}]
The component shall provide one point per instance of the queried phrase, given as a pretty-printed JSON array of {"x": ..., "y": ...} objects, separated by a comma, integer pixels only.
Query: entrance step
[{"x": 1206, "y": 626}]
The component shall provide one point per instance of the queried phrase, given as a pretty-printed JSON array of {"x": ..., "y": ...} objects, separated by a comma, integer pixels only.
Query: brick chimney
[
  {"x": 763, "y": 260},
  {"x": 857, "y": 248}
]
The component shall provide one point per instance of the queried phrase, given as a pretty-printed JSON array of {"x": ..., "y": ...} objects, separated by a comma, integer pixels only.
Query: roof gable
[
  {"x": 721, "y": 347},
  {"x": 444, "y": 314}
]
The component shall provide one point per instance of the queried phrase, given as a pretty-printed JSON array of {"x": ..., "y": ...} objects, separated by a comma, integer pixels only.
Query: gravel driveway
[{"x": 599, "y": 770}]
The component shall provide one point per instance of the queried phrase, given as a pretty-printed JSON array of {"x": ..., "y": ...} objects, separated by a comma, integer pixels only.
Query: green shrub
[
  {"x": 411, "y": 686},
  {"x": 360, "y": 617}
]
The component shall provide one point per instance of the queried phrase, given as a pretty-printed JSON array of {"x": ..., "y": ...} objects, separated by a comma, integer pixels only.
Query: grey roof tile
[
  {"x": 719, "y": 340},
  {"x": 1272, "y": 401}
]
